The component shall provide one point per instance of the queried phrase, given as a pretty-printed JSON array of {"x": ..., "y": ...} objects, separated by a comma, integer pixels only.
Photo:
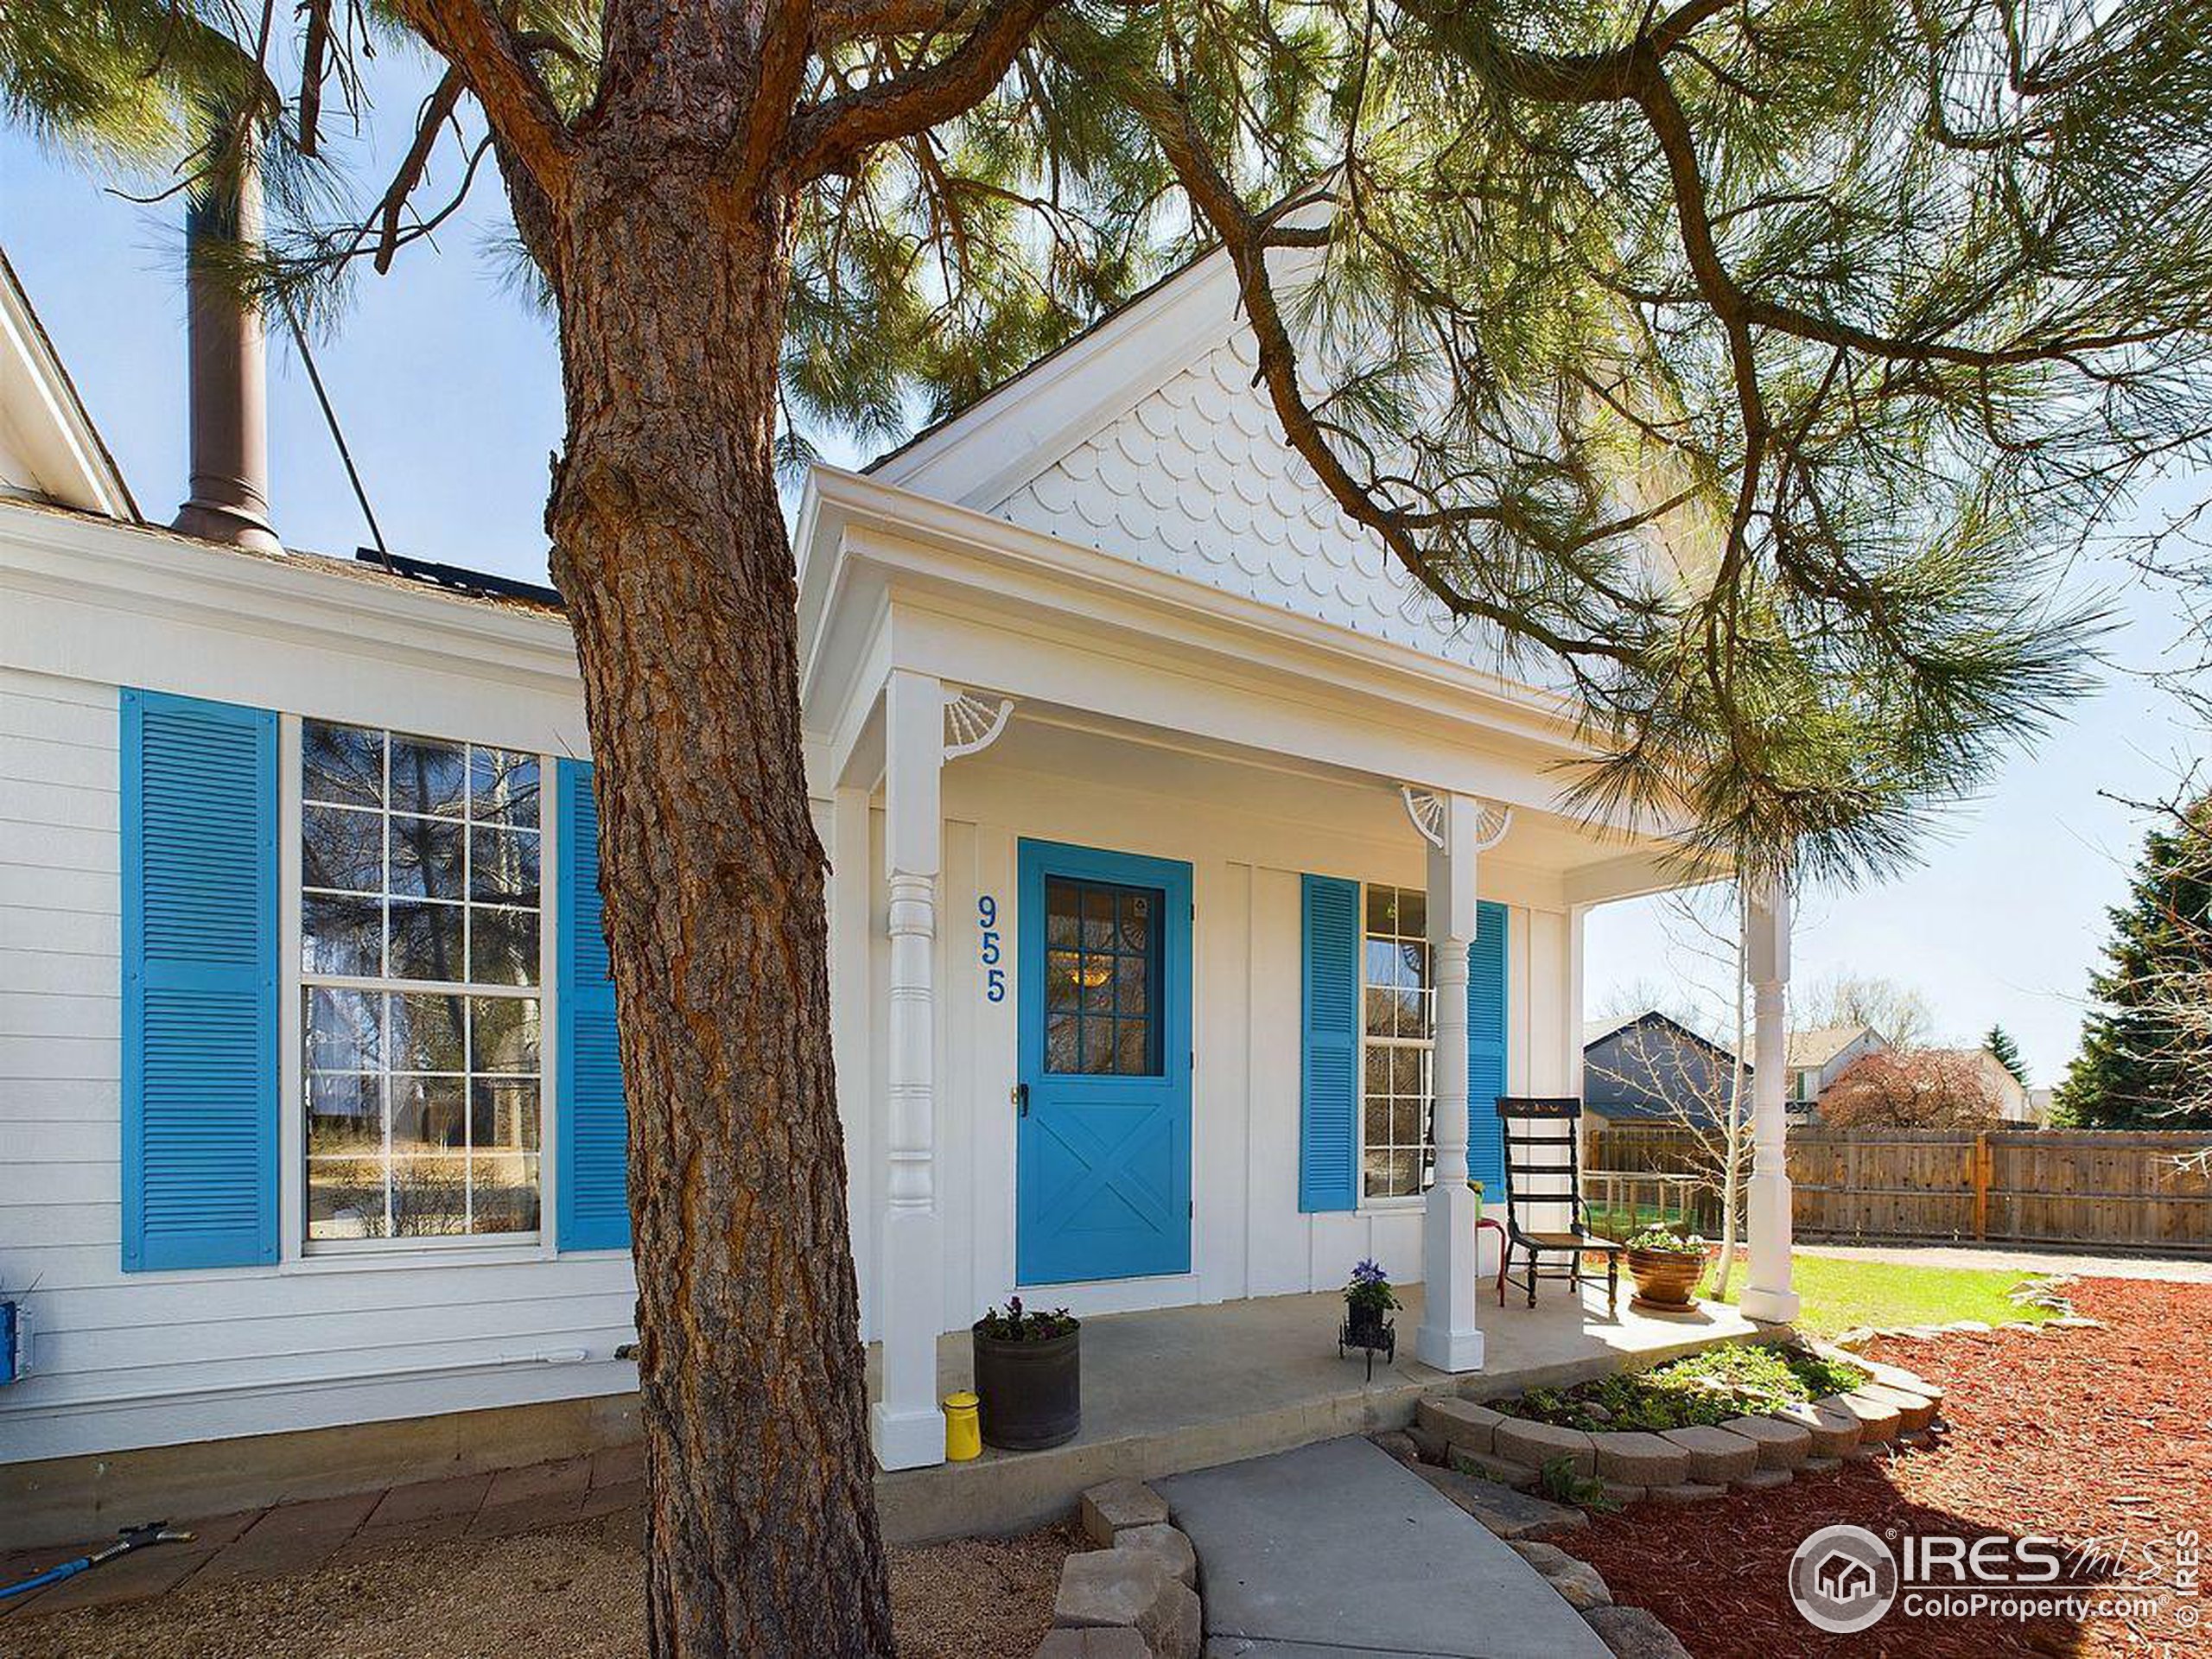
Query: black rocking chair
[{"x": 1537, "y": 1188}]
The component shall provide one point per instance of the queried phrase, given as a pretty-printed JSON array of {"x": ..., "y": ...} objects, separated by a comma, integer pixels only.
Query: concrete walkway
[
  {"x": 1335, "y": 1551},
  {"x": 2180, "y": 1270}
]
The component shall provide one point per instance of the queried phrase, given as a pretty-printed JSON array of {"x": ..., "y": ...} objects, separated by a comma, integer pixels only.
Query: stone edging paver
[
  {"x": 1136, "y": 1595},
  {"x": 1684, "y": 1465}
]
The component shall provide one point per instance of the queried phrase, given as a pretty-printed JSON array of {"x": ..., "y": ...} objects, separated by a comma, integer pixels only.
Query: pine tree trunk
[{"x": 669, "y": 547}]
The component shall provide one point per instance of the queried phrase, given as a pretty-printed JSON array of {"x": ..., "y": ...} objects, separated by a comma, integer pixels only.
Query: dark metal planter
[
  {"x": 1032, "y": 1392},
  {"x": 1370, "y": 1329}
]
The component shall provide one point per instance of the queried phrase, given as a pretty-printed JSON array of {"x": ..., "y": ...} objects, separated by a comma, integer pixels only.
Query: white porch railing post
[
  {"x": 1767, "y": 1295},
  {"x": 908, "y": 1427},
  {"x": 1450, "y": 1338}
]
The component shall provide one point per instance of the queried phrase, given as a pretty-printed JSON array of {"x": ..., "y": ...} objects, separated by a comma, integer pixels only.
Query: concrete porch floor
[{"x": 1172, "y": 1390}]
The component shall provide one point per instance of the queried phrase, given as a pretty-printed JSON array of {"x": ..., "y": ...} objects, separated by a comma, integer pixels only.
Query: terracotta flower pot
[{"x": 1665, "y": 1278}]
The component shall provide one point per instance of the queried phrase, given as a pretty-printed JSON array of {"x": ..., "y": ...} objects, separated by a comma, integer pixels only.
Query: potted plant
[
  {"x": 1368, "y": 1301},
  {"x": 1665, "y": 1267},
  {"x": 1028, "y": 1377}
]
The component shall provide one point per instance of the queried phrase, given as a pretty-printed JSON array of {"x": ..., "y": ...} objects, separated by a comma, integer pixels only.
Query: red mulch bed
[{"x": 2080, "y": 1434}]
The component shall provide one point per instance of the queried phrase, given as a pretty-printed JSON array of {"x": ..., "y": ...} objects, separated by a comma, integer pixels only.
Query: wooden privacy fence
[{"x": 2107, "y": 1189}]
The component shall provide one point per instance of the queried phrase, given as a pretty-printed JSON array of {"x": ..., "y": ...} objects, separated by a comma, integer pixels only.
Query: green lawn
[{"x": 1839, "y": 1295}]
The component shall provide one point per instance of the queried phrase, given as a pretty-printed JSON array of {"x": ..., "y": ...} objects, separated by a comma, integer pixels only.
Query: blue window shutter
[
  {"x": 199, "y": 983},
  {"x": 1486, "y": 960},
  {"x": 593, "y": 1132},
  {"x": 1328, "y": 1120}
]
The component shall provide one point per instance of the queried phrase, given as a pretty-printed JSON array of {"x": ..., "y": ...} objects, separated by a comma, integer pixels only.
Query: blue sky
[{"x": 448, "y": 389}]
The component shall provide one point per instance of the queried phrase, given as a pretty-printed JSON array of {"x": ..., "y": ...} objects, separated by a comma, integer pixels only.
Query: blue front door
[{"x": 1104, "y": 1146}]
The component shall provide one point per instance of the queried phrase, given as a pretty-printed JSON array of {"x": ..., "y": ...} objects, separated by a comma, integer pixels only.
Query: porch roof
[{"x": 1090, "y": 644}]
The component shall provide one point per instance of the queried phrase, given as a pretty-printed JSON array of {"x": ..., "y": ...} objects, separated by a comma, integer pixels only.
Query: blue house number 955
[{"x": 987, "y": 917}]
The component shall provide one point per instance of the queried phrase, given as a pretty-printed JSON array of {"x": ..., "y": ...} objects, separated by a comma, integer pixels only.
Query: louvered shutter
[
  {"x": 1328, "y": 1124},
  {"x": 1486, "y": 961},
  {"x": 593, "y": 1128},
  {"x": 199, "y": 983}
]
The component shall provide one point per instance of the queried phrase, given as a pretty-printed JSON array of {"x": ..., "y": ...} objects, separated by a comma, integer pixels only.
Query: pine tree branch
[
  {"x": 830, "y": 136},
  {"x": 476, "y": 39}
]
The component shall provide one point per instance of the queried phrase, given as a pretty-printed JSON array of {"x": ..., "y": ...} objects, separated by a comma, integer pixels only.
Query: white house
[{"x": 1184, "y": 857}]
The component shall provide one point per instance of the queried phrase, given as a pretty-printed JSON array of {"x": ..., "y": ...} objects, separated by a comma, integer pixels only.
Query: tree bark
[{"x": 671, "y": 551}]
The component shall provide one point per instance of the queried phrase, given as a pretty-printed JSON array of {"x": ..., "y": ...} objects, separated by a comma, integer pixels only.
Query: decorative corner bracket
[
  {"x": 972, "y": 724},
  {"x": 1425, "y": 809}
]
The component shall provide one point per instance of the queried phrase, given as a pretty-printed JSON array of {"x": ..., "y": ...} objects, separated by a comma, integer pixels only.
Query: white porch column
[
  {"x": 1449, "y": 1337},
  {"x": 908, "y": 1427},
  {"x": 1767, "y": 1295}
]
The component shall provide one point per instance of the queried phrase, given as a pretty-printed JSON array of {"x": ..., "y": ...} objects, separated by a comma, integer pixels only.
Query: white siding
[{"x": 138, "y": 1359}]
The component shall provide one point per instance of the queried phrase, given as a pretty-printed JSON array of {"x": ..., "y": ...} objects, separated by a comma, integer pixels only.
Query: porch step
[{"x": 1337, "y": 1548}]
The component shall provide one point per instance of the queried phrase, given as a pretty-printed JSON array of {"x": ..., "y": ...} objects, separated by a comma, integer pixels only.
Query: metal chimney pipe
[{"x": 229, "y": 384}]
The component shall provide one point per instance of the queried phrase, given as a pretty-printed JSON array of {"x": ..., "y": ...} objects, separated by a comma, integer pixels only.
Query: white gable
[
  {"x": 1198, "y": 479},
  {"x": 48, "y": 448},
  {"x": 1147, "y": 438}
]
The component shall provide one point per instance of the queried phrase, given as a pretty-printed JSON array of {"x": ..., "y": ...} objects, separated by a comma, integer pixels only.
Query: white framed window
[
  {"x": 1397, "y": 1156},
  {"x": 421, "y": 933}
]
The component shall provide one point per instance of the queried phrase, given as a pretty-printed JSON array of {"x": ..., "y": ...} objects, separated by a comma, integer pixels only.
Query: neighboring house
[
  {"x": 1646, "y": 1067},
  {"x": 1820, "y": 1056},
  {"x": 1175, "y": 837},
  {"x": 2014, "y": 1100}
]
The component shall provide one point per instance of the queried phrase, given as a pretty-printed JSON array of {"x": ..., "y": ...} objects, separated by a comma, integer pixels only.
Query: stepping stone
[
  {"x": 1914, "y": 1412},
  {"x": 1640, "y": 1459},
  {"x": 1581, "y": 1584},
  {"x": 1505, "y": 1512},
  {"x": 1541, "y": 1444},
  {"x": 1715, "y": 1454},
  {"x": 1835, "y": 1431},
  {"x": 1782, "y": 1444},
  {"x": 1104, "y": 1642},
  {"x": 1633, "y": 1633},
  {"x": 1114, "y": 1504},
  {"x": 1121, "y": 1587},
  {"x": 1165, "y": 1545},
  {"x": 1877, "y": 1421},
  {"x": 1760, "y": 1480},
  {"x": 1690, "y": 1491},
  {"x": 1461, "y": 1424}
]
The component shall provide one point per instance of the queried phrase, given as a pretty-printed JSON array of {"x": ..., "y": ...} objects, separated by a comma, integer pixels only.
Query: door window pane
[{"x": 1102, "y": 978}]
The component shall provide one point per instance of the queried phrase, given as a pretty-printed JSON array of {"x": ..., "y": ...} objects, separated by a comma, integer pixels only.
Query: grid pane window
[
  {"x": 420, "y": 926},
  {"x": 1102, "y": 979},
  {"x": 1398, "y": 1044}
]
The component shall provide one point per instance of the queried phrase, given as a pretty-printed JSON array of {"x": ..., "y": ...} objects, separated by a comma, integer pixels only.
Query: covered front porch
[
  {"x": 1167, "y": 1389},
  {"x": 1181, "y": 949}
]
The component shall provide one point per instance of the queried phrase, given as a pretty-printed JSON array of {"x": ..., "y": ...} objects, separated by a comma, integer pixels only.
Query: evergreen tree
[
  {"x": 1746, "y": 368},
  {"x": 2146, "y": 1047},
  {"x": 2000, "y": 1042}
]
